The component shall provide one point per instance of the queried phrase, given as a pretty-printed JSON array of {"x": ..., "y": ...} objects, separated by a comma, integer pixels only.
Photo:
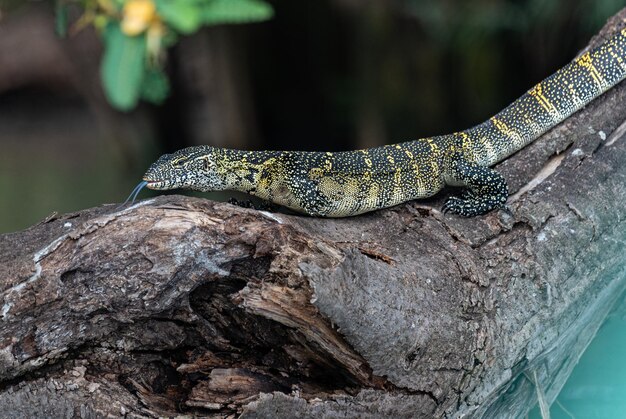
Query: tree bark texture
[{"x": 184, "y": 306}]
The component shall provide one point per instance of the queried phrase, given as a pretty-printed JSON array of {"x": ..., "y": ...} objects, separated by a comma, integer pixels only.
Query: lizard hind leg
[{"x": 487, "y": 190}]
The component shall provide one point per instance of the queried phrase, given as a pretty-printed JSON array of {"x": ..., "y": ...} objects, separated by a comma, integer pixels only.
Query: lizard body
[{"x": 354, "y": 182}]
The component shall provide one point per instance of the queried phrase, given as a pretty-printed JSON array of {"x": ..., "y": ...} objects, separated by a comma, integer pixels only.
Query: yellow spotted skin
[{"x": 354, "y": 182}]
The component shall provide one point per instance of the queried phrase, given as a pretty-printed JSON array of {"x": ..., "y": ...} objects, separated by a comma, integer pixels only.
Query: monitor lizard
[{"x": 341, "y": 184}]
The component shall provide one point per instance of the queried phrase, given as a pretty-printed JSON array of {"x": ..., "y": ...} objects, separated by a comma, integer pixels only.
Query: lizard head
[{"x": 189, "y": 168}]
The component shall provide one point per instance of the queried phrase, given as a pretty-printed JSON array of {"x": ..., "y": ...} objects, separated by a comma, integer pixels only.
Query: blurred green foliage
[
  {"x": 123, "y": 66},
  {"x": 135, "y": 32}
]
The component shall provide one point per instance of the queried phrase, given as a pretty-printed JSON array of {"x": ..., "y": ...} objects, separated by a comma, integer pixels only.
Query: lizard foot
[
  {"x": 487, "y": 190},
  {"x": 471, "y": 205}
]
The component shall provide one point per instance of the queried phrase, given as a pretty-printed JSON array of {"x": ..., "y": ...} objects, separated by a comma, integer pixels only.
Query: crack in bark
[{"x": 548, "y": 169}]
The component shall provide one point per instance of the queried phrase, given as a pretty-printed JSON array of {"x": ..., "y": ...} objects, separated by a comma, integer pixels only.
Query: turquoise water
[{"x": 597, "y": 387}]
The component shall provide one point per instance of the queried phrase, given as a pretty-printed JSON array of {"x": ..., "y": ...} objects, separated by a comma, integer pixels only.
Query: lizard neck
[{"x": 245, "y": 171}]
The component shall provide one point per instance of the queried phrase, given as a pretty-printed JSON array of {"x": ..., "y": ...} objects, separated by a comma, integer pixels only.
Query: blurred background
[{"x": 319, "y": 75}]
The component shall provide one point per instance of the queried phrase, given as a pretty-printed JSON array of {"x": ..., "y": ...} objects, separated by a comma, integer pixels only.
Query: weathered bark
[{"x": 180, "y": 305}]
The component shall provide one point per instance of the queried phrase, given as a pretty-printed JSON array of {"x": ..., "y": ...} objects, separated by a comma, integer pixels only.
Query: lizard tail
[{"x": 550, "y": 101}]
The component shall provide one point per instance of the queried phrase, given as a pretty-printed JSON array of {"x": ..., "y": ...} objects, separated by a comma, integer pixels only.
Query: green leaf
[
  {"x": 182, "y": 15},
  {"x": 155, "y": 87},
  {"x": 60, "y": 10},
  {"x": 169, "y": 39},
  {"x": 100, "y": 22},
  {"x": 123, "y": 67},
  {"x": 216, "y": 12}
]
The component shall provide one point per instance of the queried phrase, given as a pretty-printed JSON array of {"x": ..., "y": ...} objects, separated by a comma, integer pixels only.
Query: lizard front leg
[{"x": 487, "y": 189}]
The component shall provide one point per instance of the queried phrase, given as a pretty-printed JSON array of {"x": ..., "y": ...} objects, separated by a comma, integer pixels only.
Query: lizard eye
[
  {"x": 178, "y": 162},
  {"x": 205, "y": 164}
]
